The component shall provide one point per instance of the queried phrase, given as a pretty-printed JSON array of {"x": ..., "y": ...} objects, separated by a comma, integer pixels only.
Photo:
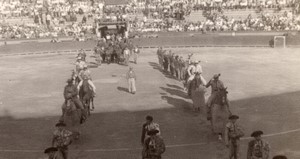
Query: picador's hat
[
  {"x": 233, "y": 117},
  {"x": 70, "y": 80},
  {"x": 50, "y": 149},
  {"x": 60, "y": 124},
  {"x": 279, "y": 157},
  {"x": 217, "y": 75},
  {"x": 152, "y": 132},
  {"x": 257, "y": 133}
]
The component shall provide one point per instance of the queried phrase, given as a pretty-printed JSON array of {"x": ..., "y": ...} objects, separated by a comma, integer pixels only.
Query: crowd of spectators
[
  {"x": 166, "y": 9},
  {"x": 243, "y": 4},
  {"x": 77, "y": 19},
  {"x": 219, "y": 22}
]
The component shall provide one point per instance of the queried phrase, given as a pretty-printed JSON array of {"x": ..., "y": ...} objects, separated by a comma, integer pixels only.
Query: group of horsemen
[
  {"x": 74, "y": 110},
  {"x": 189, "y": 71},
  {"x": 80, "y": 74},
  {"x": 116, "y": 50}
]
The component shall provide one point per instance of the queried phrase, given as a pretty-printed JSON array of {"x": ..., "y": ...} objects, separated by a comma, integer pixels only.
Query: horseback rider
[
  {"x": 216, "y": 86},
  {"x": 71, "y": 92},
  {"x": 79, "y": 65},
  {"x": 82, "y": 54},
  {"x": 191, "y": 74},
  {"x": 85, "y": 74}
]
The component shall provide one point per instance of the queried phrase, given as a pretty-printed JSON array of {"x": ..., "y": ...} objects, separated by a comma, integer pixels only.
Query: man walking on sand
[{"x": 131, "y": 77}]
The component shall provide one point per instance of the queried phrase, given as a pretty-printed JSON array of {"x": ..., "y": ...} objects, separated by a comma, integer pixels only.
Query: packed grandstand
[{"x": 27, "y": 19}]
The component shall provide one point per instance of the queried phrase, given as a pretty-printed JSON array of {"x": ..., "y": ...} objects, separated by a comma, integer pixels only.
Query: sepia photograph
[{"x": 149, "y": 79}]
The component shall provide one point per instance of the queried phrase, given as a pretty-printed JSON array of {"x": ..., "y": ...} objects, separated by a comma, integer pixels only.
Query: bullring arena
[{"x": 263, "y": 85}]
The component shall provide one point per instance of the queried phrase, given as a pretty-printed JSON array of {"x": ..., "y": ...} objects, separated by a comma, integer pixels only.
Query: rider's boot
[{"x": 209, "y": 112}]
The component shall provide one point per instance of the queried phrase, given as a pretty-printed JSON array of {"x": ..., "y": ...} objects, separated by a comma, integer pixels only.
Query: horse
[
  {"x": 220, "y": 112},
  {"x": 197, "y": 93},
  {"x": 73, "y": 117},
  {"x": 86, "y": 96},
  {"x": 75, "y": 77}
]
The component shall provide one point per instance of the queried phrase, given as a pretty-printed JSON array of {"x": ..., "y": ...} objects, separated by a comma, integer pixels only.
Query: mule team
[{"x": 80, "y": 91}]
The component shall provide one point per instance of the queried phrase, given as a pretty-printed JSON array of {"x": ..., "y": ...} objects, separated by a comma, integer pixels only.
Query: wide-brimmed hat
[
  {"x": 279, "y": 157},
  {"x": 152, "y": 132},
  {"x": 50, "y": 149},
  {"x": 257, "y": 133},
  {"x": 233, "y": 117},
  {"x": 149, "y": 117},
  {"x": 60, "y": 124},
  {"x": 70, "y": 80},
  {"x": 217, "y": 76}
]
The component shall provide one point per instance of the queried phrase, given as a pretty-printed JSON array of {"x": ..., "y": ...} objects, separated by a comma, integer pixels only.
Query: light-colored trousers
[
  {"x": 131, "y": 85},
  {"x": 90, "y": 83},
  {"x": 135, "y": 56}
]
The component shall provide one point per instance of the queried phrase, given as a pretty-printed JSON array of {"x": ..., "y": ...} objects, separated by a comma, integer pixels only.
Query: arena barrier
[
  {"x": 46, "y": 53},
  {"x": 90, "y": 51},
  {"x": 181, "y": 42}
]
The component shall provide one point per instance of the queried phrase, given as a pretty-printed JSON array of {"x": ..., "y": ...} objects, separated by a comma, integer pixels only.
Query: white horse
[{"x": 198, "y": 92}]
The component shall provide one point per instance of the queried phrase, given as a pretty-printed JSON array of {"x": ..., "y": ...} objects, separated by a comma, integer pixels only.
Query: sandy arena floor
[{"x": 263, "y": 86}]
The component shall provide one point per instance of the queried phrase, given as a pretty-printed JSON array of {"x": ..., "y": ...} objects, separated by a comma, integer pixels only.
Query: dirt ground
[{"x": 263, "y": 86}]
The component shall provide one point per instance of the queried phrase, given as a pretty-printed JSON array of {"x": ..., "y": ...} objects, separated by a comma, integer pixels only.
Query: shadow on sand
[
  {"x": 122, "y": 129},
  {"x": 175, "y": 92},
  {"x": 157, "y": 67},
  {"x": 123, "y": 89}
]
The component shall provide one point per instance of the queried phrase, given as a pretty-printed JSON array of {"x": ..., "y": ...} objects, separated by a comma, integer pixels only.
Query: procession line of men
[
  {"x": 186, "y": 70},
  {"x": 151, "y": 140},
  {"x": 190, "y": 72},
  {"x": 82, "y": 72},
  {"x": 62, "y": 137},
  {"x": 257, "y": 147}
]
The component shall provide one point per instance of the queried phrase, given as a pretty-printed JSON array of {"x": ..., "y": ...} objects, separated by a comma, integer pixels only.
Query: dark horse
[
  {"x": 220, "y": 112},
  {"x": 75, "y": 77},
  {"x": 86, "y": 96}
]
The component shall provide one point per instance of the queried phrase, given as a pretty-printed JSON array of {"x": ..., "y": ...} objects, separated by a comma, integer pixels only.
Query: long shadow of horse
[
  {"x": 122, "y": 89},
  {"x": 175, "y": 86},
  {"x": 178, "y": 103},
  {"x": 157, "y": 67},
  {"x": 175, "y": 92},
  {"x": 93, "y": 65}
]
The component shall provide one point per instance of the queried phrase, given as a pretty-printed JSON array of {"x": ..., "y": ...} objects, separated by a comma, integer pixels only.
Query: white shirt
[
  {"x": 198, "y": 68},
  {"x": 191, "y": 70}
]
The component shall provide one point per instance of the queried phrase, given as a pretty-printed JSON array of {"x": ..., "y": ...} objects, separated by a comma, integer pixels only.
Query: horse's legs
[
  {"x": 87, "y": 106},
  {"x": 92, "y": 101}
]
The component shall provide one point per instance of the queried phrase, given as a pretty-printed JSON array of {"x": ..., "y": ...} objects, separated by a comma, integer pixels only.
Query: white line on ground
[{"x": 168, "y": 146}]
